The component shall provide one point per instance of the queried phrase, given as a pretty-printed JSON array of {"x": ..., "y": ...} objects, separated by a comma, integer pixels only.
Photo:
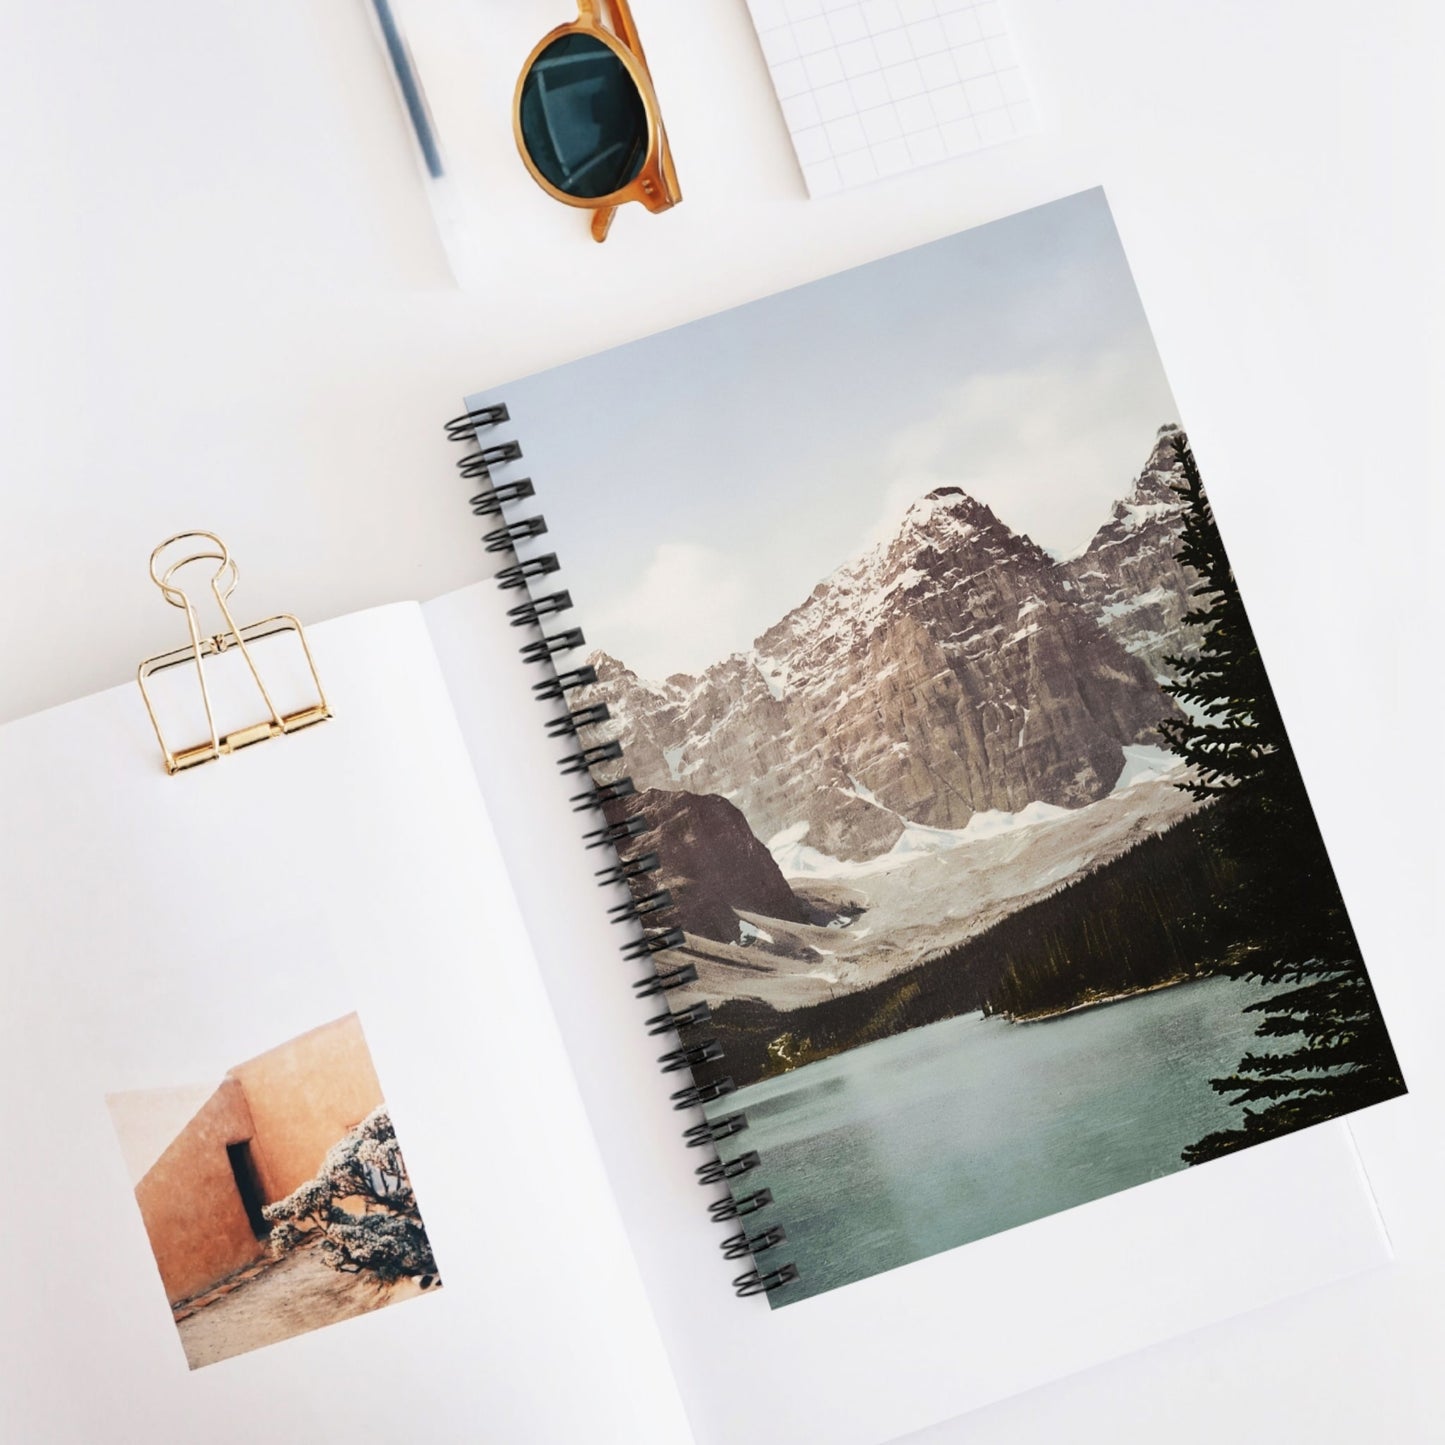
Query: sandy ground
[{"x": 296, "y": 1294}]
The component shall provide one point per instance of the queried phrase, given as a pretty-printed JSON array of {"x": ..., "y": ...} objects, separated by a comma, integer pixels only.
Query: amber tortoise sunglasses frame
[{"x": 654, "y": 183}]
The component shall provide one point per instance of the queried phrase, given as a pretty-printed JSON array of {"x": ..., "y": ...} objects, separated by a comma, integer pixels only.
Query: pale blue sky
[{"x": 700, "y": 482}]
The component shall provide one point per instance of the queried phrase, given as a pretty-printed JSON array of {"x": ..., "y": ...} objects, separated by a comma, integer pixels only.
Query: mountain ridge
[
  {"x": 1129, "y": 572},
  {"x": 953, "y": 667}
]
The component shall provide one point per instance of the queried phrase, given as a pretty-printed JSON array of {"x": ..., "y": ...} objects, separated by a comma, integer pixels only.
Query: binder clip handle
[{"x": 208, "y": 547}]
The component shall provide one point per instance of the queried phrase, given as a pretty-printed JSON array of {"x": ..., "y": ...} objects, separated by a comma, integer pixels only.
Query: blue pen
[{"x": 411, "y": 92}]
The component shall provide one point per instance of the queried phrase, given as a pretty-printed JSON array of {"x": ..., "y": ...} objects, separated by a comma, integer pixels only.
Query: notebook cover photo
[{"x": 959, "y": 817}]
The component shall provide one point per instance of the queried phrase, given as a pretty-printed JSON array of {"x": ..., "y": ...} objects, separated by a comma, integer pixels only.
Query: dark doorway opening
[{"x": 248, "y": 1182}]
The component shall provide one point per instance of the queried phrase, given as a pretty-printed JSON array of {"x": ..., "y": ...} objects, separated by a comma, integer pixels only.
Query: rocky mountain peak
[
  {"x": 1129, "y": 572},
  {"x": 609, "y": 667},
  {"x": 949, "y": 669},
  {"x": 945, "y": 539},
  {"x": 947, "y": 515},
  {"x": 1162, "y": 470},
  {"x": 950, "y": 520},
  {"x": 617, "y": 676},
  {"x": 946, "y": 505}
]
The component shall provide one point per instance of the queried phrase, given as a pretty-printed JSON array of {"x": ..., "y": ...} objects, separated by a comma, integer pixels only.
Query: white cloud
[
  {"x": 1049, "y": 449},
  {"x": 682, "y": 612}
]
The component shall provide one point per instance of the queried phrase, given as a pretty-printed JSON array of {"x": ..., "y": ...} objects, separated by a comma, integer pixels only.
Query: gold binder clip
[{"x": 223, "y": 583}]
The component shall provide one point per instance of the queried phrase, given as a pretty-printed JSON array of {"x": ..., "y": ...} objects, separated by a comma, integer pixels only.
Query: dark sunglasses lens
[{"x": 583, "y": 121}]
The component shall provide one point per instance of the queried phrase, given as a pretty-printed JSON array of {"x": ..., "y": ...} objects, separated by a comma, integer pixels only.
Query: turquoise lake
[{"x": 949, "y": 1133}]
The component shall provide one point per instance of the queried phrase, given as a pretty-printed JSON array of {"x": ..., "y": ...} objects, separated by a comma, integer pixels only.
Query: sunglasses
[{"x": 587, "y": 121}]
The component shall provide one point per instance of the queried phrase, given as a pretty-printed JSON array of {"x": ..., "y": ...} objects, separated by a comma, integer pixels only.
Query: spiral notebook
[
  {"x": 901, "y": 665},
  {"x": 334, "y": 1060},
  {"x": 918, "y": 701}
]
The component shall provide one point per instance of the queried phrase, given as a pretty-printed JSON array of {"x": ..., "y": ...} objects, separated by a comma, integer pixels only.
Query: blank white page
[
  {"x": 870, "y": 88},
  {"x": 157, "y": 929}
]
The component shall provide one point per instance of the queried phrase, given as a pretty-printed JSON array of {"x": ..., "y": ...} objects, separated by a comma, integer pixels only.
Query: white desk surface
[{"x": 225, "y": 307}]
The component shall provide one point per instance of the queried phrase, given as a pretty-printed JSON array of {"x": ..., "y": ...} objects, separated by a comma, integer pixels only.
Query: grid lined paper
[{"x": 870, "y": 88}]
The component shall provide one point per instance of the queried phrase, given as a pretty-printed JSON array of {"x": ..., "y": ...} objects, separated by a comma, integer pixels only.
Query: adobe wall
[
  {"x": 188, "y": 1199},
  {"x": 304, "y": 1095}
]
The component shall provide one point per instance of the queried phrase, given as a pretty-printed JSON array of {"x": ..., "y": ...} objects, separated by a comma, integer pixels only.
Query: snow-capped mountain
[
  {"x": 1129, "y": 573},
  {"x": 955, "y": 668}
]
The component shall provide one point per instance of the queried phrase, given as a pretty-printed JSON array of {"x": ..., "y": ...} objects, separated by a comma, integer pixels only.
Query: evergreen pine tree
[{"x": 1329, "y": 1051}]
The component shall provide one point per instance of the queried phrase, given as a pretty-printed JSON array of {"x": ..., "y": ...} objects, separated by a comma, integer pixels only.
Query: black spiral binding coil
[{"x": 644, "y": 913}]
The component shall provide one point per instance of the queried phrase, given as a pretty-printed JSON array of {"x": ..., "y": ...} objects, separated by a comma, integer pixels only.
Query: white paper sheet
[
  {"x": 872, "y": 88},
  {"x": 159, "y": 929},
  {"x": 896, "y": 1352}
]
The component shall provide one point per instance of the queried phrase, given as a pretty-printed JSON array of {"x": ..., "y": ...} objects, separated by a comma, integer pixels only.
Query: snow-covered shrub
[{"x": 384, "y": 1237}]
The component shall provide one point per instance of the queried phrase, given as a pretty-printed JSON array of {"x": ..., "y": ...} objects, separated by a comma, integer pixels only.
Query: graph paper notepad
[{"x": 870, "y": 88}]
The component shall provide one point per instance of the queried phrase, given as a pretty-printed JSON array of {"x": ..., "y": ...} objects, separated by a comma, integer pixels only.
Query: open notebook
[{"x": 354, "y": 997}]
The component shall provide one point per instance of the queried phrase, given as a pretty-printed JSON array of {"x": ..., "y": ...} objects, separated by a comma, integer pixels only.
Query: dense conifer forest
[
  {"x": 1326, "y": 1050},
  {"x": 1147, "y": 917}
]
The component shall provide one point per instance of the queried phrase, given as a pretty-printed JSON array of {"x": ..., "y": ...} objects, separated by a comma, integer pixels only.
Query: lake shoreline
[
  {"x": 953, "y": 1132},
  {"x": 1043, "y": 1016}
]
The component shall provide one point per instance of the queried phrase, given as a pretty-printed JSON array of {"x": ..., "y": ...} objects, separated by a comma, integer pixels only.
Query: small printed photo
[{"x": 275, "y": 1196}]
